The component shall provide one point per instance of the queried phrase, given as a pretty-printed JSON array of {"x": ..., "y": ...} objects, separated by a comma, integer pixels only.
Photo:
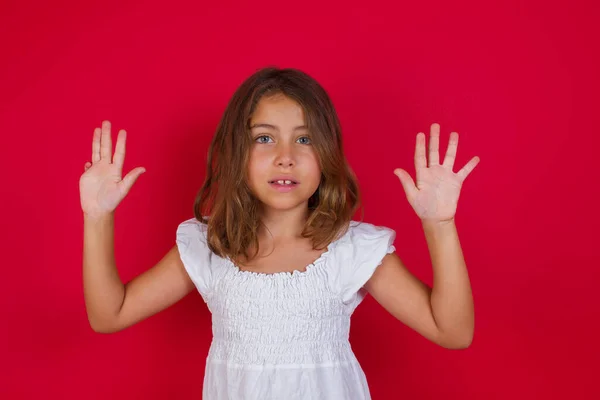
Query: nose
[{"x": 285, "y": 156}]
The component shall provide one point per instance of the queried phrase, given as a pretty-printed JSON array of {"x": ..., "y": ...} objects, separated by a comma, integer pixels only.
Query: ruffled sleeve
[
  {"x": 368, "y": 245},
  {"x": 195, "y": 254}
]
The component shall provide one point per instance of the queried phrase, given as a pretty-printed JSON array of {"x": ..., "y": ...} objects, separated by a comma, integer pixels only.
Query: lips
[
  {"x": 284, "y": 178},
  {"x": 283, "y": 188}
]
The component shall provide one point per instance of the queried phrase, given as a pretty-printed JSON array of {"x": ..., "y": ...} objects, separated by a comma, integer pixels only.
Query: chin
[
  {"x": 283, "y": 201},
  {"x": 283, "y": 204}
]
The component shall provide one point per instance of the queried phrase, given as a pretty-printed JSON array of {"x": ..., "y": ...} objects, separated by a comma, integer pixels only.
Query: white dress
[{"x": 284, "y": 336}]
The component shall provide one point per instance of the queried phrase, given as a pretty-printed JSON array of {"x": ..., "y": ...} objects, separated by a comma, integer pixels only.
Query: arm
[
  {"x": 111, "y": 305},
  {"x": 443, "y": 314}
]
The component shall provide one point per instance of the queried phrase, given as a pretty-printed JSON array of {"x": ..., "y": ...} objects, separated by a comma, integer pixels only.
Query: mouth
[
  {"x": 283, "y": 185},
  {"x": 283, "y": 182}
]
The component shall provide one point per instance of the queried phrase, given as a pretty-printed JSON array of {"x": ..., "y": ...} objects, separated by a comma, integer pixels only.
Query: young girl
[{"x": 273, "y": 249}]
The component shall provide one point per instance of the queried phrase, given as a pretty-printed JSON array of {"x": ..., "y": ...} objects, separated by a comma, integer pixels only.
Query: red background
[{"x": 517, "y": 79}]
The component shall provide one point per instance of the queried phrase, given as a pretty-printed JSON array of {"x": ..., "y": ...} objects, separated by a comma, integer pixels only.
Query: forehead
[{"x": 278, "y": 110}]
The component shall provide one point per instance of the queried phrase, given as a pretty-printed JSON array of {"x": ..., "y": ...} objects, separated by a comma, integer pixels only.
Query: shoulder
[
  {"x": 192, "y": 241},
  {"x": 192, "y": 229},
  {"x": 193, "y": 224},
  {"x": 364, "y": 233},
  {"x": 361, "y": 251},
  {"x": 197, "y": 258},
  {"x": 365, "y": 242}
]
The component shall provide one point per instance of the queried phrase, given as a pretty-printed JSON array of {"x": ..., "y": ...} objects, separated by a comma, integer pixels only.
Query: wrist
[
  {"x": 95, "y": 218},
  {"x": 437, "y": 223}
]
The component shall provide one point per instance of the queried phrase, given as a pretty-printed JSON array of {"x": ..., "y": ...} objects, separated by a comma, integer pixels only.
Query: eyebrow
[{"x": 269, "y": 126}]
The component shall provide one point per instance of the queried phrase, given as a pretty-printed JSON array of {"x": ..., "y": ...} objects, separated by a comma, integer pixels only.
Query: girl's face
[{"x": 281, "y": 150}]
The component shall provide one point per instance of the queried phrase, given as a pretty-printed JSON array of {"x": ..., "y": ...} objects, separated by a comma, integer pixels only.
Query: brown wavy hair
[{"x": 225, "y": 196}]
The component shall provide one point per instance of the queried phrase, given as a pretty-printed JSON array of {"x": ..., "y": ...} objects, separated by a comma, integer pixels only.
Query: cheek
[
  {"x": 311, "y": 171},
  {"x": 256, "y": 165},
  {"x": 312, "y": 162}
]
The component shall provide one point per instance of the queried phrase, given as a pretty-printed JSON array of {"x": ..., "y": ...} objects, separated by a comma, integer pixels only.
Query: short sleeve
[
  {"x": 195, "y": 254},
  {"x": 369, "y": 244}
]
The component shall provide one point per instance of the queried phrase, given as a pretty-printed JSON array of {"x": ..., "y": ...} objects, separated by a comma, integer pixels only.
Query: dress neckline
[{"x": 318, "y": 263}]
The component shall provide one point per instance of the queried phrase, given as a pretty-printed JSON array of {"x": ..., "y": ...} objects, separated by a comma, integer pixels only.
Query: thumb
[
  {"x": 407, "y": 182},
  {"x": 131, "y": 177}
]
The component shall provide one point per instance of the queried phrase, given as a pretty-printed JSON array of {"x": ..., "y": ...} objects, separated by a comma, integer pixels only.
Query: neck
[{"x": 283, "y": 224}]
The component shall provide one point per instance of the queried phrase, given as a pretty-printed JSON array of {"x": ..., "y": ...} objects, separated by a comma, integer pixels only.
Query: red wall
[{"x": 517, "y": 80}]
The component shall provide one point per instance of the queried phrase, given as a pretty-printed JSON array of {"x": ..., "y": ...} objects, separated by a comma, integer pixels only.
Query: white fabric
[{"x": 284, "y": 336}]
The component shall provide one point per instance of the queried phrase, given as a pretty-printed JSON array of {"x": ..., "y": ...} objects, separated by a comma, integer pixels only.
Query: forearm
[
  {"x": 451, "y": 296},
  {"x": 103, "y": 289}
]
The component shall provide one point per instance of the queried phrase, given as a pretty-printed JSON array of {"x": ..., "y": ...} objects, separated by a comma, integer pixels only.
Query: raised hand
[
  {"x": 101, "y": 187},
  {"x": 435, "y": 195}
]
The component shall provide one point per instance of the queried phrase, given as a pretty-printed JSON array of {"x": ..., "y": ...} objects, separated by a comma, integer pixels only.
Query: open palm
[
  {"x": 435, "y": 195},
  {"x": 101, "y": 187}
]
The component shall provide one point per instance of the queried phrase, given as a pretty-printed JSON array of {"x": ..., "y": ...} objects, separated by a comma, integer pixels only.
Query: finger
[
  {"x": 130, "y": 179},
  {"x": 119, "y": 157},
  {"x": 407, "y": 182},
  {"x": 87, "y": 166},
  {"x": 434, "y": 145},
  {"x": 96, "y": 145},
  {"x": 451, "y": 151},
  {"x": 420, "y": 158},
  {"x": 105, "y": 142},
  {"x": 466, "y": 170}
]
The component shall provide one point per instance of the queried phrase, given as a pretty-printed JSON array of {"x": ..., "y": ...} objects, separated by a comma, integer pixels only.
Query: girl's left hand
[{"x": 435, "y": 195}]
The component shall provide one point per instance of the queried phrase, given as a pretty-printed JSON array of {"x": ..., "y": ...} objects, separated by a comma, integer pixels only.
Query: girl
[{"x": 273, "y": 249}]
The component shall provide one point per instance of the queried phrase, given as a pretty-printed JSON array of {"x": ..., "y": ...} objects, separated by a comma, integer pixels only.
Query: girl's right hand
[{"x": 101, "y": 187}]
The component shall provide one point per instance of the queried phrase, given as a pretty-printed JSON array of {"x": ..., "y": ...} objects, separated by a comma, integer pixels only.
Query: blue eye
[
  {"x": 262, "y": 136},
  {"x": 257, "y": 139}
]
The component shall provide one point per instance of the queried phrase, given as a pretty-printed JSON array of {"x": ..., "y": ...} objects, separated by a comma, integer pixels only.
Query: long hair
[{"x": 225, "y": 195}]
